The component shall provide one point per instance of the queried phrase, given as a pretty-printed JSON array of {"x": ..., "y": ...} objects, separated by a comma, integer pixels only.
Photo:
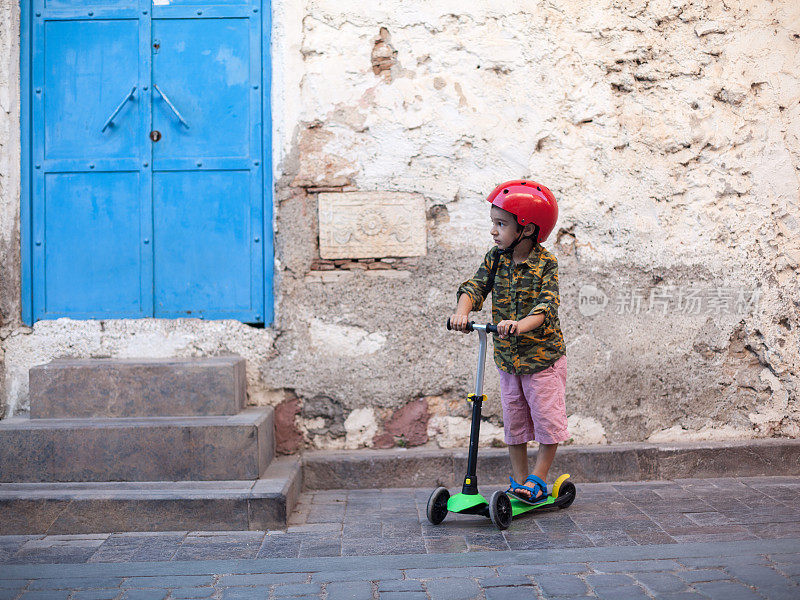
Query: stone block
[
  {"x": 140, "y": 449},
  {"x": 82, "y": 388},
  {"x": 583, "y": 463},
  {"x": 377, "y": 469},
  {"x": 745, "y": 458},
  {"x": 371, "y": 225},
  {"x": 68, "y": 508}
]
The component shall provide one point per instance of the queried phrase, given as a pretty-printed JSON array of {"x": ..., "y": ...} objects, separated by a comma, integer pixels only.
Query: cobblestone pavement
[
  {"x": 694, "y": 538},
  {"x": 726, "y": 570}
]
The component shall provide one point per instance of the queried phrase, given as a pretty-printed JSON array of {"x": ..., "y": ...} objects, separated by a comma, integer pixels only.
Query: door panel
[
  {"x": 203, "y": 68},
  {"x": 207, "y": 174},
  {"x": 91, "y": 71},
  {"x": 202, "y": 247},
  {"x": 92, "y": 259}
]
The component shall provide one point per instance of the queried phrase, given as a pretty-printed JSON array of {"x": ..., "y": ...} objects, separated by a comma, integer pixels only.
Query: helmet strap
[{"x": 520, "y": 237}]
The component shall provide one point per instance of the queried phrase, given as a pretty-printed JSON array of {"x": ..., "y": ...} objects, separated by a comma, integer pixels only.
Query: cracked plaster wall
[{"x": 668, "y": 132}]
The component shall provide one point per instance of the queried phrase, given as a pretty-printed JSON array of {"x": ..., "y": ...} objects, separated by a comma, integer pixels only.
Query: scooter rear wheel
[
  {"x": 566, "y": 495},
  {"x": 500, "y": 510},
  {"x": 437, "y": 505}
]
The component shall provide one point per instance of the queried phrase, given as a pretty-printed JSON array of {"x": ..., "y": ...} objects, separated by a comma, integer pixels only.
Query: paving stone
[
  {"x": 245, "y": 593},
  {"x": 9, "y": 593},
  {"x": 75, "y": 583},
  {"x": 708, "y": 518},
  {"x": 477, "y": 542},
  {"x": 445, "y": 545},
  {"x": 400, "y": 585},
  {"x": 609, "y": 580},
  {"x": 757, "y": 576},
  {"x": 172, "y": 581},
  {"x": 452, "y": 588},
  {"x": 788, "y": 569},
  {"x": 549, "y": 541},
  {"x": 349, "y": 590},
  {"x": 320, "y": 546},
  {"x": 726, "y": 590},
  {"x": 280, "y": 546},
  {"x": 157, "y": 549},
  {"x": 366, "y": 575},
  {"x": 629, "y": 566},
  {"x": 108, "y": 594},
  {"x": 533, "y": 569},
  {"x": 192, "y": 592},
  {"x": 59, "y": 555},
  {"x": 786, "y": 558},
  {"x": 203, "y": 549},
  {"x": 661, "y": 582},
  {"x": 384, "y": 546},
  {"x": 723, "y": 561},
  {"x": 511, "y": 593},
  {"x": 782, "y": 593},
  {"x": 144, "y": 594},
  {"x": 622, "y": 593},
  {"x": 680, "y": 596},
  {"x": 613, "y": 537},
  {"x": 450, "y": 572},
  {"x": 651, "y": 537},
  {"x": 13, "y": 584},
  {"x": 261, "y": 579},
  {"x": 560, "y": 584},
  {"x": 315, "y": 528},
  {"x": 45, "y": 595},
  {"x": 702, "y": 575},
  {"x": 504, "y": 581},
  {"x": 296, "y": 589}
]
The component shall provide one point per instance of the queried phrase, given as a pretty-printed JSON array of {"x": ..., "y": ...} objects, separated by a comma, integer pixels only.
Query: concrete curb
[
  {"x": 360, "y": 566},
  {"x": 364, "y": 469}
]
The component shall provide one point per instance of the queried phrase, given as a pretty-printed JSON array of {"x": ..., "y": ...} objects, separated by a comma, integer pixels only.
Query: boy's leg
[
  {"x": 545, "y": 393},
  {"x": 519, "y": 461},
  {"x": 544, "y": 458}
]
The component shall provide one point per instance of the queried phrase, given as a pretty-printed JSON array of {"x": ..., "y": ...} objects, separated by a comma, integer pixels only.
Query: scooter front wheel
[
  {"x": 500, "y": 510},
  {"x": 437, "y": 505}
]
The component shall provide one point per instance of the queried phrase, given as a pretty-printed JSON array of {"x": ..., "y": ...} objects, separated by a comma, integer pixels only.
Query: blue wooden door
[{"x": 147, "y": 192}]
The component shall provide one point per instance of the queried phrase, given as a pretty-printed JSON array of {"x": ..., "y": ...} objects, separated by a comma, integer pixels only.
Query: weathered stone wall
[
  {"x": 9, "y": 181},
  {"x": 668, "y": 131}
]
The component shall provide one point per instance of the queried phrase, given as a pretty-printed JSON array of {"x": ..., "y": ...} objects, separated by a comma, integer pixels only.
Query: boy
[{"x": 529, "y": 348}]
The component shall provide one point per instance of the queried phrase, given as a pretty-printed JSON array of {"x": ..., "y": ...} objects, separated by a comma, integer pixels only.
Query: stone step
[
  {"x": 69, "y": 508},
  {"x": 137, "y": 449},
  {"x": 420, "y": 467},
  {"x": 82, "y": 388}
]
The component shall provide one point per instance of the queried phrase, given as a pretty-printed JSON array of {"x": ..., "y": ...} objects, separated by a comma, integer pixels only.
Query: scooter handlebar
[{"x": 471, "y": 325}]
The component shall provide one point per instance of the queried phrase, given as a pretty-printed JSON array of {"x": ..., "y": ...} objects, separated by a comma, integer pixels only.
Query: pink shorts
[{"x": 533, "y": 405}]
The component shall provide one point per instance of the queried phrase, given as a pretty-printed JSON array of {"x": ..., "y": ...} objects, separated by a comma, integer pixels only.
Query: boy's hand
[
  {"x": 459, "y": 322},
  {"x": 506, "y": 328}
]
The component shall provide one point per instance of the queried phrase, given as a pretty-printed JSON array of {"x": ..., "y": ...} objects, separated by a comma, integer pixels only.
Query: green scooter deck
[
  {"x": 518, "y": 507},
  {"x": 476, "y": 504}
]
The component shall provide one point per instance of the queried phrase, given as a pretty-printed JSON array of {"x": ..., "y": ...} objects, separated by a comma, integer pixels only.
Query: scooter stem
[{"x": 471, "y": 481}]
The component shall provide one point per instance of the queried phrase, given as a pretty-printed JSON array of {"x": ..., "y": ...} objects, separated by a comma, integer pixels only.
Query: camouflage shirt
[{"x": 528, "y": 288}]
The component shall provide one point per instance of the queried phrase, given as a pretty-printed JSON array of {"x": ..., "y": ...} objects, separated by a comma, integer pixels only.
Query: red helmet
[{"x": 530, "y": 202}]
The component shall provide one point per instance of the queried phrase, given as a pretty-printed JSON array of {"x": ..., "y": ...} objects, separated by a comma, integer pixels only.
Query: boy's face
[{"x": 504, "y": 227}]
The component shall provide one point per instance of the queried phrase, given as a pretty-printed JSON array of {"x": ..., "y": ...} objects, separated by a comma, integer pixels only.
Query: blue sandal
[{"x": 537, "y": 493}]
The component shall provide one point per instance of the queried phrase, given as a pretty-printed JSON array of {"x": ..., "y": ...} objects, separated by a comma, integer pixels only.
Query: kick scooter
[{"x": 500, "y": 508}]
